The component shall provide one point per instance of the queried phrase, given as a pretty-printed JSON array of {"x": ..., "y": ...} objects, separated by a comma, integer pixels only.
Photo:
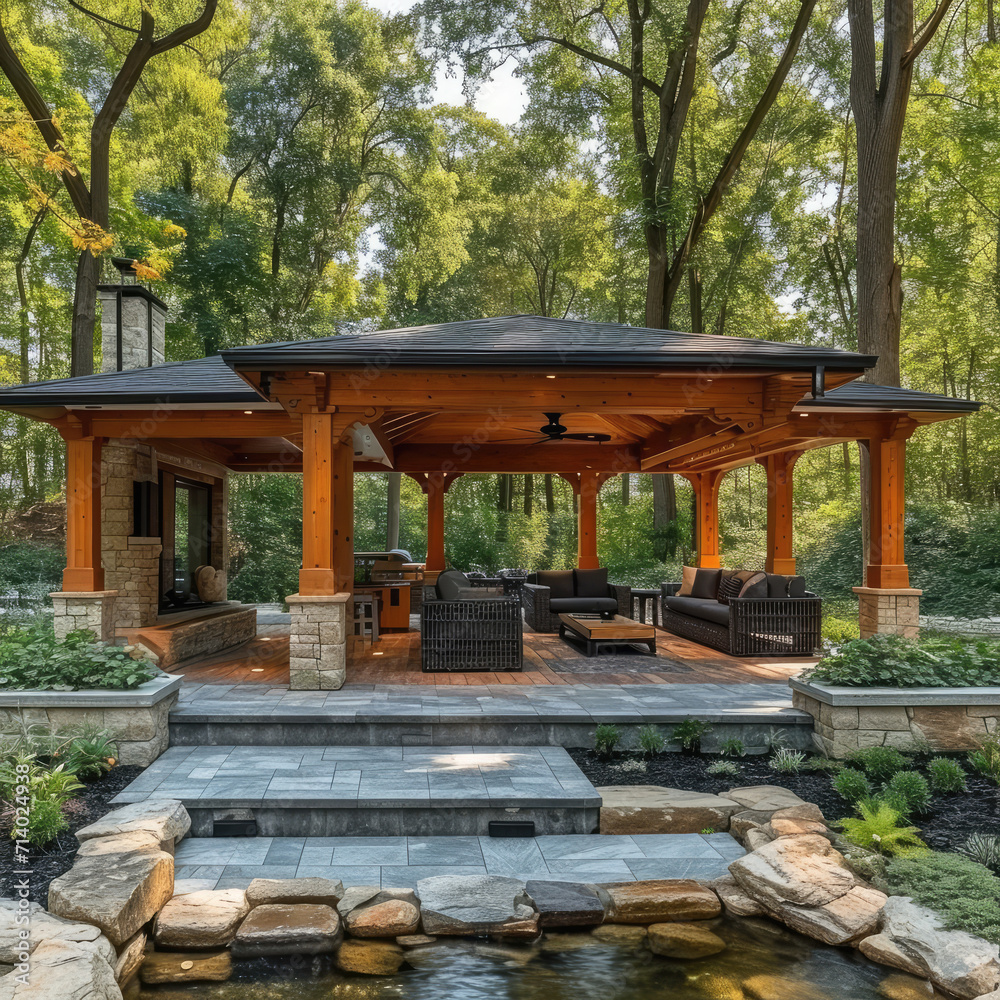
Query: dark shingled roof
[
  {"x": 538, "y": 341},
  {"x": 205, "y": 380},
  {"x": 865, "y": 396}
]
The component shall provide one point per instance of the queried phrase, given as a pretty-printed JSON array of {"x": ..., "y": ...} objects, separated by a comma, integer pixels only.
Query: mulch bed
[
  {"x": 949, "y": 823},
  {"x": 56, "y": 858}
]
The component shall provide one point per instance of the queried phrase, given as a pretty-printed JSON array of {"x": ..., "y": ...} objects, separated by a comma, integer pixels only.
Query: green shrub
[
  {"x": 606, "y": 738},
  {"x": 689, "y": 733},
  {"x": 986, "y": 760},
  {"x": 826, "y": 764},
  {"x": 878, "y": 829},
  {"x": 946, "y": 775},
  {"x": 35, "y": 660},
  {"x": 724, "y": 769},
  {"x": 651, "y": 740},
  {"x": 912, "y": 789},
  {"x": 47, "y": 789},
  {"x": 983, "y": 848},
  {"x": 837, "y": 631},
  {"x": 852, "y": 785},
  {"x": 879, "y": 763},
  {"x": 965, "y": 893},
  {"x": 892, "y": 661},
  {"x": 91, "y": 754},
  {"x": 786, "y": 761},
  {"x": 732, "y": 747}
]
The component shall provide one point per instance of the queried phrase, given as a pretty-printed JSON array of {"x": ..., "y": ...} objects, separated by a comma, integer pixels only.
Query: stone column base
[
  {"x": 91, "y": 610},
  {"x": 892, "y": 612},
  {"x": 318, "y": 648}
]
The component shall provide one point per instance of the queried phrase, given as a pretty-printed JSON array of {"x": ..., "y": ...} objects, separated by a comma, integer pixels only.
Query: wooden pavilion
[{"x": 436, "y": 402}]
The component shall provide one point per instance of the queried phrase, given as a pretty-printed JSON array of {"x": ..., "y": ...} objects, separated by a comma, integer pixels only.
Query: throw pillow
[
  {"x": 755, "y": 586},
  {"x": 688, "y": 573},
  {"x": 727, "y": 574},
  {"x": 449, "y": 583},
  {"x": 590, "y": 582},
  {"x": 730, "y": 587},
  {"x": 559, "y": 582},
  {"x": 706, "y": 584}
]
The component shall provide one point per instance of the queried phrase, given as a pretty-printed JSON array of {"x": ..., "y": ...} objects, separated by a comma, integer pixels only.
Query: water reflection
[{"x": 762, "y": 961}]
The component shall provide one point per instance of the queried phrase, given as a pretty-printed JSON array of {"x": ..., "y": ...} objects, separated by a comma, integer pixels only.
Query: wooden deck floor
[{"x": 547, "y": 660}]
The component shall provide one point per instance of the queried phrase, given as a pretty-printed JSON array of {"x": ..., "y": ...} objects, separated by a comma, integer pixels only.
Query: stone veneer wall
[
  {"x": 318, "y": 649},
  {"x": 93, "y": 611},
  {"x": 896, "y": 612},
  {"x": 840, "y": 729}
]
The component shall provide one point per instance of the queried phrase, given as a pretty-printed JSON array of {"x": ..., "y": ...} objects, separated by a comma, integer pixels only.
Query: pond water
[{"x": 762, "y": 962}]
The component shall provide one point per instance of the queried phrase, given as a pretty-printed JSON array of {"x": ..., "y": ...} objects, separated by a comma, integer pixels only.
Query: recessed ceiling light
[
  {"x": 377, "y": 653},
  {"x": 248, "y": 412},
  {"x": 550, "y": 376},
  {"x": 256, "y": 670}
]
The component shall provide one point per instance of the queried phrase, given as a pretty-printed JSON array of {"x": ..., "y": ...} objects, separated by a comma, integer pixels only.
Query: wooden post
[
  {"x": 780, "y": 554},
  {"x": 343, "y": 515},
  {"x": 317, "y": 576},
  {"x": 887, "y": 567},
  {"x": 586, "y": 534},
  {"x": 84, "y": 572},
  {"x": 435, "y": 524},
  {"x": 706, "y": 492}
]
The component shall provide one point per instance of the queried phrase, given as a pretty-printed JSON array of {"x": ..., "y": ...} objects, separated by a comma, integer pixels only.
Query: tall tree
[{"x": 92, "y": 201}]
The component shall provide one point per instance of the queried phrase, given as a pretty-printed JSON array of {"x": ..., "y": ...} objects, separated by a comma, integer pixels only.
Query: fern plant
[
  {"x": 689, "y": 733},
  {"x": 878, "y": 829},
  {"x": 606, "y": 738}
]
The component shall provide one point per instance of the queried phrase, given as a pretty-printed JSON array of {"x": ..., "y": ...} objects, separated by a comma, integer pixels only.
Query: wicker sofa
[
  {"x": 469, "y": 627},
  {"x": 546, "y": 595},
  {"x": 774, "y": 615}
]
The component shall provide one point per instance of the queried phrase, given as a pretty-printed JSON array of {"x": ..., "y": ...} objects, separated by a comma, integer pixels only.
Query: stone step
[
  {"x": 400, "y": 862},
  {"x": 505, "y": 715},
  {"x": 376, "y": 791}
]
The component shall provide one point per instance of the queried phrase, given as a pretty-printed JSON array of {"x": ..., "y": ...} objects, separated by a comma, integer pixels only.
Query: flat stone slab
[
  {"x": 289, "y": 929},
  {"x": 657, "y": 809},
  {"x": 163, "y": 816},
  {"x": 917, "y": 696},
  {"x": 144, "y": 696},
  {"x": 343, "y": 777},
  {"x": 485, "y": 904},
  {"x": 400, "y": 862},
  {"x": 565, "y": 904},
  {"x": 205, "y": 919}
]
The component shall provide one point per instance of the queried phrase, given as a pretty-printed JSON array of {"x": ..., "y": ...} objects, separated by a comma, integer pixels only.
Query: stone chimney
[{"x": 133, "y": 322}]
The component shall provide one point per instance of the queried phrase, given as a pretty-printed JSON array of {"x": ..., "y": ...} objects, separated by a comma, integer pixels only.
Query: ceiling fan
[{"x": 555, "y": 431}]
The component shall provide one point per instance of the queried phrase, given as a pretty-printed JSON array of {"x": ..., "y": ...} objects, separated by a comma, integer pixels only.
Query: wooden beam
[
  {"x": 317, "y": 576},
  {"x": 780, "y": 557},
  {"x": 554, "y": 457},
  {"x": 887, "y": 567},
  {"x": 343, "y": 514},
  {"x": 84, "y": 572},
  {"x": 145, "y": 425},
  {"x": 586, "y": 533},
  {"x": 706, "y": 492}
]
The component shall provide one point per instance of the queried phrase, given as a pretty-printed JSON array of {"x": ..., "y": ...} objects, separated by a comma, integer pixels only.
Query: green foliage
[
  {"x": 879, "y": 829},
  {"x": 912, "y": 789},
  {"x": 787, "y": 761},
  {"x": 986, "y": 759},
  {"x": 606, "y": 738},
  {"x": 879, "y": 763},
  {"x": 893, "y": 661},
  {"x": 946, "y": 775},
  {"x": 91, "y": 754},
  {"x": 651, "y": 740},
  {"x": 689, "y": 733},
  {"x": 35, "y": 795},
  {"x": 852, "y": 785},
  {"x": 35, "y": 660},
  {"x": 732, "y": 747},
  {"x": 836, "y": 630},
  {"x": 963, "y": 892},
  {"x": 724, "y": 769},
  {"x": 984, "y": 849}
]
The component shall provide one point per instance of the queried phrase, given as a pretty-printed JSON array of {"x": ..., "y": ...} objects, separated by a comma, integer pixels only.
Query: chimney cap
[{"x": 126, "y": 265}]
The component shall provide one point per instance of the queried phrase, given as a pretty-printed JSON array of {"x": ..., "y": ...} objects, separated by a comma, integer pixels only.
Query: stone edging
[
  {"x": 912, "y": 697},
  {"x": 138, "y": 719},
  {"x": 98, "y": 929}
]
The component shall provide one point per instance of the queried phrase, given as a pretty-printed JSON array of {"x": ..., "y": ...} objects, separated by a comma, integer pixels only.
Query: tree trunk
[
  {"x": 529, "y": 489},
  {"x": 88, "y": 270},
  {"x": 664, "y": 514},
  {"x": 626, "y": 495},
  {"x": 394, "y": 482},
  {"x": 550, "y": 495}
]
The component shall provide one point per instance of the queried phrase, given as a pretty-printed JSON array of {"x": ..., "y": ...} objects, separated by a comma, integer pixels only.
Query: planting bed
[
  {"x": 946, "y": 827},
  {"x": 54, "y": 859}
]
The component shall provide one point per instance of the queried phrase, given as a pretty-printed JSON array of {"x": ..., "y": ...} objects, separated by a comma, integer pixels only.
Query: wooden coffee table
[{"x": 596, "y": 632}]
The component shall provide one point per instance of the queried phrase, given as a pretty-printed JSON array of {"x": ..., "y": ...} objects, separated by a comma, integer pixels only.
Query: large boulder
[
  {"x": 325, "y": 891},
  {"x": 806, "y": 884},
  {"x": 764, "y": 798},
  {"x": 64, "y": 970},
  {"x": 370, "y": 958},
  {"x": 289, "y": 929},
  {"x": 764, "y": 987},
  {"x": 565, "y": 904},
  {"x": 117, "y": 892},
  {"x": 656, "y": 809},
  {"x": 476, "y": 904},
  {"x": 912, "y": 938},
  {"x": 130, "y": 957},
  {"x": 684, "y": 941},
  {"x": 135, "y": 841},
  {"x": 208, "y": 918},
  {"x": 167, "y": 819},
  {"x": 383, "y": 917},
  {"x": 734, "y": 900},
  {"x": 660, "y": 901},
  {"x": 42, "y": 926}
]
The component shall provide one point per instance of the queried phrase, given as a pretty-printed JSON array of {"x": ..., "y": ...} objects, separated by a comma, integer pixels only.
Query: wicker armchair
[
  {"x": 476, "y": 634},
  {"x": 542, "y": 617},
  {"x": 754, "y": 626}
]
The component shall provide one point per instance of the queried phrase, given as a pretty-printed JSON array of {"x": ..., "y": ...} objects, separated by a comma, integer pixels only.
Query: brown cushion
[
  {"x": 706, "y": 584},
  {"x": 590, "y": 582},
  {"x": 559, "y": 582},
  {"x": 754, "y": 586},
  {"x": 688, "y": 573}
]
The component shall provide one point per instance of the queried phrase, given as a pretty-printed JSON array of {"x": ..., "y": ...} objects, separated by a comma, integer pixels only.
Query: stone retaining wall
[
  {"x": 318, "y": 646},
  {"x": 846, "y": 719}
]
